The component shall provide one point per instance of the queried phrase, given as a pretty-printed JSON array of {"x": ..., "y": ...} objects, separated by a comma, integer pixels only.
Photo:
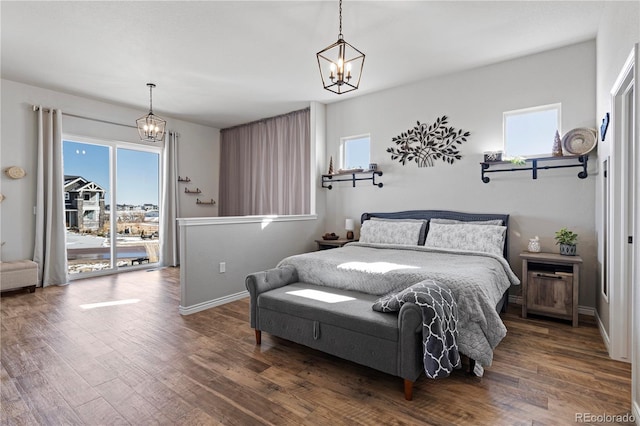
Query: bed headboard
[{"x": 445, "y": 214}]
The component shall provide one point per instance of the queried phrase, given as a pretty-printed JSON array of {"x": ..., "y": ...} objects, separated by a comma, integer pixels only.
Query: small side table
[
  {"x": 550, "y": 285},
  {"x": 329, "y": 244}
]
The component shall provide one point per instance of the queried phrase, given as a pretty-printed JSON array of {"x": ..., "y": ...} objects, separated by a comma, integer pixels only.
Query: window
[
  {"x": 87, "y": 197},
  {"x": 355, "y": 152},
  {"x": 530, "y": 132}
]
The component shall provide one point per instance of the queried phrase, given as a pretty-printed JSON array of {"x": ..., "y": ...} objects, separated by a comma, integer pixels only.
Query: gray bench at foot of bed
[{"x": 340, "y": 323}]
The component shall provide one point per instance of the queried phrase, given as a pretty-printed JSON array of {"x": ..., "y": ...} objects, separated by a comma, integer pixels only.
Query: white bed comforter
[{"x": 477, "y": 281}]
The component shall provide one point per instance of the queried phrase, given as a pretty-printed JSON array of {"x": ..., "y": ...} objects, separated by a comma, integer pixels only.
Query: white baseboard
[
  {"x": 584, "y": 310},
  {"x": 188, "y": 310},
  {"x": 603, "y": 334}
]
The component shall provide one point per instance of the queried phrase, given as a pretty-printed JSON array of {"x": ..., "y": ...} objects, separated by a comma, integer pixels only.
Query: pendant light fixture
[
  {"x": 151, "y": 127},
  {"x": 340, "y": 65}
]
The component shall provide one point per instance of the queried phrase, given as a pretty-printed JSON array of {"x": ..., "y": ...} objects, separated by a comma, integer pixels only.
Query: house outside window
[{"x": 530, "y": 132}]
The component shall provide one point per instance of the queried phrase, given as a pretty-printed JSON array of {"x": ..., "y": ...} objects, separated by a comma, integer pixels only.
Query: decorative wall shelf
[
  {"x": 188, "y": 191},
  {"x": 344, "y": 177},
  {"x": 533, "y": 164},
  {"x": 184, "y": 179},
  {"x": 211, "y": 203}
]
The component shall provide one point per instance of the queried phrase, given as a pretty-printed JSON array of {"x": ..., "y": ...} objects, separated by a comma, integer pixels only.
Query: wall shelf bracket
[
  {"x": 328, "y": 179},
  {"x": 212, "y": 202}
]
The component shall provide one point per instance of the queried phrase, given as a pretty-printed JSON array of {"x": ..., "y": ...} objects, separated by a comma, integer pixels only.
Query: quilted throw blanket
[
  {"x": 439, "y": 324},
  {"x": 477, "y": 281}
]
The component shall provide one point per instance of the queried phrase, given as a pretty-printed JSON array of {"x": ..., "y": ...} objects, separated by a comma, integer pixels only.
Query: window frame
[
  {"x": 113, "y": 145},
  {"x": 518, "y": 112}
]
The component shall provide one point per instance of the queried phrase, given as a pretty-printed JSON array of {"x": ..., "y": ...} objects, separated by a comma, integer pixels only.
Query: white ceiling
[{"x": 222, "y": 63}]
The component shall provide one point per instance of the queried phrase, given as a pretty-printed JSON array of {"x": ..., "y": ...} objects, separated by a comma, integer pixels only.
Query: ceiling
[{"x": 222, "y": 63}]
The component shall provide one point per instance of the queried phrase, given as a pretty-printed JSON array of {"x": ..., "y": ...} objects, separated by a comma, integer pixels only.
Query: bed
[{"x": 375, "y": 302}]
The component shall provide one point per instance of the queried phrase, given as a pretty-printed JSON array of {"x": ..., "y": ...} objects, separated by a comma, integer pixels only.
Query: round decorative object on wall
[
  {"x": 15, "y": 172},
  {"x": 579, "y": 141}
]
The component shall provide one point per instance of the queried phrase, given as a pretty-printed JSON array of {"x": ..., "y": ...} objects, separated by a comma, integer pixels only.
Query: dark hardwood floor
[{"x": 141, "y": 362}]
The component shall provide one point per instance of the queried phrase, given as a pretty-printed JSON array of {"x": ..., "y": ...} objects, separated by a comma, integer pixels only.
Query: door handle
[{"x": 553, "y": 276}]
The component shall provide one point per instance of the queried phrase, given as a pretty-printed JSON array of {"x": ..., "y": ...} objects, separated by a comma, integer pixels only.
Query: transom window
[
  {"x": 530, "y": 132},
  {"x": 355, "y": 152}
]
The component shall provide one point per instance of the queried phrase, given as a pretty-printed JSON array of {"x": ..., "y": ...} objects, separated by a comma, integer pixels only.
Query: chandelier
[
  {"x": 340, "y": 65},
  {"x": 151, "y": 127}
]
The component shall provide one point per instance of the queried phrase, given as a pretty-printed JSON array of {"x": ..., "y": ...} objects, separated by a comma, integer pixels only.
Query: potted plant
[{"x": 567, "y": 241}]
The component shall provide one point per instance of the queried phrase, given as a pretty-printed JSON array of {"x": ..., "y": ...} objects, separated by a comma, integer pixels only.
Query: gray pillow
[
  {"x": 470, "y": 222},
  {"x": 423, "y": 230},
  {"x": 464, "y": 236},
  {"x": 391, "y": 232}
]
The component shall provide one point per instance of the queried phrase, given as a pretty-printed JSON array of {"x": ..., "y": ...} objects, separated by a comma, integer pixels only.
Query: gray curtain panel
[
  {"x": 50, "y": 245},
  {"x": 169, "y": 239},
  {"x": 265, "y": 167}
]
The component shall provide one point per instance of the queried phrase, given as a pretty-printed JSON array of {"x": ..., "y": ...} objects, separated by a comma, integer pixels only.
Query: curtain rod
[
  {"x": 262, "y": 120},
  {"x": 37, "y": 107}
]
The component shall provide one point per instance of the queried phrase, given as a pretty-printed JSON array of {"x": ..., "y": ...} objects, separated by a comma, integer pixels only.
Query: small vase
[
  {"x": 534, "y": 245},
  {"x": 568, "y": 249}
]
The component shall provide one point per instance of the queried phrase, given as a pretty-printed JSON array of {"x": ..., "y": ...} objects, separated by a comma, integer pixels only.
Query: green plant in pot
[{"x": 567, "y": 241}]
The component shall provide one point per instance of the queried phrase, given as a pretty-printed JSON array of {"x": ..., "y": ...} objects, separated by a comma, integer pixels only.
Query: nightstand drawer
[{"x": 550, "y": 293}]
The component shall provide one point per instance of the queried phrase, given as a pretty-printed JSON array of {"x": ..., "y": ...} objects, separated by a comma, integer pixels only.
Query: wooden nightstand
[
  {"x": 550, "y": 284},
  {"x": 329, "y": 244}
]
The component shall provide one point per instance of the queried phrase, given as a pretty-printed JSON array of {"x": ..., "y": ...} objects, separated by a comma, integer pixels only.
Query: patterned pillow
[
  {"x": 423, "y": 230},
  {"x": 470, "y": 222},
  {"x": 487, "y": 238},
  {"x": 391, "y": 232}
]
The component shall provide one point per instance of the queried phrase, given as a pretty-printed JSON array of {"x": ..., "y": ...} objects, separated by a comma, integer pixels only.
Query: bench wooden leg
[
  {"x": 408, "y": 389},
  {"x": 472, "y": 366},
  {"x": 258, "y": 337}
]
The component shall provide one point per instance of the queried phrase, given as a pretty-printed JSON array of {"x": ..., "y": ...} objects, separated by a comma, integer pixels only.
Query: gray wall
[
  {"x": 474, "y": 100},
  {"x": 198, "y": 155}
]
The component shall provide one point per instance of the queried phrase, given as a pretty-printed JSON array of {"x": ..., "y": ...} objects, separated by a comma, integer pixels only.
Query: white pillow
[
  {"x": 391, "y": 232},
  {"x": 486, "y": 238}
]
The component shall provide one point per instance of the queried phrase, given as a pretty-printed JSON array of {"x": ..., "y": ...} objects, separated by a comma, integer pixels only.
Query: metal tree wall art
[{"x": 426, "y": 143}]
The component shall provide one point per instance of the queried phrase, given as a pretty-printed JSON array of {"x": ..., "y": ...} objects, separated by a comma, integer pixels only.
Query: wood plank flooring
[{"x": 141, "y": 362}]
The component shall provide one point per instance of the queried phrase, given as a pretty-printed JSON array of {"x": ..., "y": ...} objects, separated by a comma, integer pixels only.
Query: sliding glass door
[{"x": 111, "y": 206}]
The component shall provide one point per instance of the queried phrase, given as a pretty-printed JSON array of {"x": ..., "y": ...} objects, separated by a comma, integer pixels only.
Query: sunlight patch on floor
[{"x": 112, "y": 303}]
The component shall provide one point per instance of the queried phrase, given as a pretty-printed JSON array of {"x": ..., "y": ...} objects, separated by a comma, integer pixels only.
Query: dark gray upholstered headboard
[{"x": 445, "y": 214}]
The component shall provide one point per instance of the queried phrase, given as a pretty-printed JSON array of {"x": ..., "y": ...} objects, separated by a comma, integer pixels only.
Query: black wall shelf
[
  {"x": 211, "y": 203},
  {"x": 351, "y": 177},
  {"x": 534, "y": 165}
]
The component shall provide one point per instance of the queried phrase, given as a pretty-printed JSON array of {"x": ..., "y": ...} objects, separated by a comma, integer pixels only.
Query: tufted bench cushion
[{"x": 18, "y": 274}]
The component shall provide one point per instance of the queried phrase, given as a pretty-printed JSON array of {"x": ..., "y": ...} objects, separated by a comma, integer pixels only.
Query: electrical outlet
[{"x": 223, "y": 267}]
